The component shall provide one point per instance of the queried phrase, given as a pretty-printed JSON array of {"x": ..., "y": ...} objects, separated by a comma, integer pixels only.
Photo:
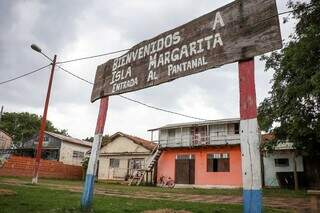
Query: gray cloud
[{"x": 74, "y": 29}]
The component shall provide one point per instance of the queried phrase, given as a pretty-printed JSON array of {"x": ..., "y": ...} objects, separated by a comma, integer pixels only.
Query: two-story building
[{"x": 202, "y": 154}]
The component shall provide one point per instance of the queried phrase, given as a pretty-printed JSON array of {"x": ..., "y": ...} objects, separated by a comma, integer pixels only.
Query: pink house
[{"x": 202, "y": 154}]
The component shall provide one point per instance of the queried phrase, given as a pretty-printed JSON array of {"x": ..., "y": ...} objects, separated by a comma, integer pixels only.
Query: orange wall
[{"x": 166, "y": 165}]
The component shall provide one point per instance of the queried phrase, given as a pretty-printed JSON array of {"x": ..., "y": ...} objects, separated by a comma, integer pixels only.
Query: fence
[{"x": 23, "y": 166}]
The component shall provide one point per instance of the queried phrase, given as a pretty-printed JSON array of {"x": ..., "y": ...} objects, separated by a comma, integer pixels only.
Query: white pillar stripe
[
  {"x": 95, "y": 150},
  {"x": 250, "y": 142}
]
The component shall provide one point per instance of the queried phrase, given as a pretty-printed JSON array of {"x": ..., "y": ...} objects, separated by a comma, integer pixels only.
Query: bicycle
[{"x": 166, "y": 182}]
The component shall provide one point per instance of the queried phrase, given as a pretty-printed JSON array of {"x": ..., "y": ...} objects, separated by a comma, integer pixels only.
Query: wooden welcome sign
[{"x": 239, "y": 30}]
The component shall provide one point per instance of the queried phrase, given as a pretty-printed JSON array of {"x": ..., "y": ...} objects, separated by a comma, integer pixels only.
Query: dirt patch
[
  {"x": 166, "y": 211},
  {"x": 7, "y": 192},
  {"x": 273, "y": 202}
]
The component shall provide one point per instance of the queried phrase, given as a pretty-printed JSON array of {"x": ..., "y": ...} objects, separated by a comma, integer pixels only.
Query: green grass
[
  {"x": 41, "y": 199},
  {"x": 269, "y": 192},
  {"x": 272, "y": 192}
]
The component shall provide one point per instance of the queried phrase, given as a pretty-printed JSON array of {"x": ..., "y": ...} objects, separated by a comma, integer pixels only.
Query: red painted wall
[
  {"x": 23, "y": 166},
  {"x": 166, "y": 165}
]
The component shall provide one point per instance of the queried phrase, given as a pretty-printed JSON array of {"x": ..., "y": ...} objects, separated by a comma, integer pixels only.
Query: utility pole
[{"x": 43, "y": 120}]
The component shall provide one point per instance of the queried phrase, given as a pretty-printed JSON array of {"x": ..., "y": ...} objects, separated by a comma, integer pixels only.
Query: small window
[
  {"x": 136, "y": 163},
  {"x": 114, "y": 163},
  {"x": 218, "y": 162},
  {"x": 78, "y": 154},
  {"x": 236, "y": 128},
  {"x": 172, "y": 133},
  {"x": 281, "y": 162}
]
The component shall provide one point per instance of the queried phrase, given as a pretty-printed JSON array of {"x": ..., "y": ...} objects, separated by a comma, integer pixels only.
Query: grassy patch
[
  {"x": 273, "y": 192},
  {"x": 45, "y": 180},
  {"x": 41, "y": 199}
]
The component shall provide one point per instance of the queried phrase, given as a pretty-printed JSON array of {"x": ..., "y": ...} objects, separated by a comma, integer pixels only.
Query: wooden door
[{"x": 185, "y": 170}]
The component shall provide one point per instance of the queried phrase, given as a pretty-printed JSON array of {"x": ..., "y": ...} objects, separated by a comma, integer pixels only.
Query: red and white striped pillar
[
  {"x": 250, "y": 139},
  {"x": 87, "y": 196}
]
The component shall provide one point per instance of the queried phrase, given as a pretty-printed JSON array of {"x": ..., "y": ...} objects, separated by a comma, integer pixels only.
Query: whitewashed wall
[
  {"x": 270, "y": 169},
  {"x": 183, "y": 137},
  {"x": 120, "y": 148},
  {"x": 66, "y": 153}
]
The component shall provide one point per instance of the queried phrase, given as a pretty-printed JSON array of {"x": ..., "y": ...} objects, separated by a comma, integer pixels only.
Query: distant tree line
[{"x": 23, "y": 125}]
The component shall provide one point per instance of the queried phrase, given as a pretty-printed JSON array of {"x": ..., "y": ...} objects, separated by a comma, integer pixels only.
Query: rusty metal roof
[
  {"x": 140, "y": 141},
  {"x": 70, "y": 139}
]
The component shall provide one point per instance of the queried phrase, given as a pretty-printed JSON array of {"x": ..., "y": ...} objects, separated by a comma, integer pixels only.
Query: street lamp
[
  {"x": 44, "y": 116},
  {"x": 36, "y": 48}
]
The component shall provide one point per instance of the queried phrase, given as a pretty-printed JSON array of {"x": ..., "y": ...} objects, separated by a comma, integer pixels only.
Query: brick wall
[{"x": 23, "y": 166}]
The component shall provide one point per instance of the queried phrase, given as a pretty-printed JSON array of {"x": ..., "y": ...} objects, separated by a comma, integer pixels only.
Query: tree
[
  {"x": 105, "y": 139},
  {"x": 24, "y": 125},
  {"x": 90, "y": 139},
  {"x": 292, "y": 112}
]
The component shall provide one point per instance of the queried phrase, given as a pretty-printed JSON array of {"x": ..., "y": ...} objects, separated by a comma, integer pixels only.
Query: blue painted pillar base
[
  {"x": 86, "y": 200},
  {"x": 252, "y": 200}
]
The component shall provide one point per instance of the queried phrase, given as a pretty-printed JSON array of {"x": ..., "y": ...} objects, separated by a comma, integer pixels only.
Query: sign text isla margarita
[{"x": 237, "y": 31}]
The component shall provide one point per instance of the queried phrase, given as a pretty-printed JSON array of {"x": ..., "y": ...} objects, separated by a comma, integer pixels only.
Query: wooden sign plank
[{"x": 234, "y": 32}]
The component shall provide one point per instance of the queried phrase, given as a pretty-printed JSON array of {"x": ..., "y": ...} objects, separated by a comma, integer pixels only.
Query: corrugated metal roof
[
  {"x": 197, "y": 123},
  {"x": 70, "y": 139}
]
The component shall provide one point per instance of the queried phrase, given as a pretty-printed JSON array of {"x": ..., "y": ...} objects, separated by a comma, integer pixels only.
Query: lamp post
[{"x": 44, "y": 116}]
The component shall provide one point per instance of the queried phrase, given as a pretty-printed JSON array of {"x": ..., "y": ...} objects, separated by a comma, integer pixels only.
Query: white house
[
  {"x": 59, "y": 147},
  {"x": 278, "y": 165},
  {"x": 124, "y": 154}
]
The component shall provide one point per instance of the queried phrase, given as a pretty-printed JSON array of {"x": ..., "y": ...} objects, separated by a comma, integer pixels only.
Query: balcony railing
[{"x": 215, "y": 138}]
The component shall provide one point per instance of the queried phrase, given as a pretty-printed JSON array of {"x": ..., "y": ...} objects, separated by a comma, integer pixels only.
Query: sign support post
[
  {"x": 87, "y": 196},
  {"x": 250, "y": 139}
]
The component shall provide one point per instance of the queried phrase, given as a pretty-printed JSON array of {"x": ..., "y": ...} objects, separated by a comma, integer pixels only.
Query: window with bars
[
  {"x": 218, "y": 162},
  {"x": 114, "y": 163},
  {"x": 136, "y": 163},
  {"x": 281, "y": 162},
  {"x": 185, "y": 157},
  {"x": 172, "y": 133},
  {"x": 78, "y": 154},
  {"x": 236, "y": 128}
]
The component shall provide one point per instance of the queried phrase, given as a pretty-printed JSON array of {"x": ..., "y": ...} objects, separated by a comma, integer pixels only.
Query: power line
[
  {"x": 93, "y": 56},
  {"x": 164, "y": 110},
  {"x": 74, "y": 75},
  {"x": 26, "y": 74},
  {"x": 114, "y": 52},
  {"x": 85, "y": 80},
  {"x": 133, "y": 100}
]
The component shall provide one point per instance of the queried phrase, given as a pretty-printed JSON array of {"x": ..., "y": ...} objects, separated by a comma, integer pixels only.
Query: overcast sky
[{"x": 75, "y": 28}]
